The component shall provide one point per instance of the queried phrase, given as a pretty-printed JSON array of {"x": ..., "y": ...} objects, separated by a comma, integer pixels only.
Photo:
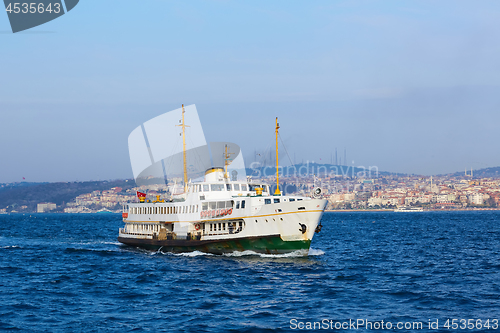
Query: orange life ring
[{"x": 230, "y": 211}]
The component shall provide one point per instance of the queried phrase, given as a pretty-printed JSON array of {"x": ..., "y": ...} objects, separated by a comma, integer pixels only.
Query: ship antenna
[
  {"x": 277, "y": 192},
  {"x": 183, "y": 125}
]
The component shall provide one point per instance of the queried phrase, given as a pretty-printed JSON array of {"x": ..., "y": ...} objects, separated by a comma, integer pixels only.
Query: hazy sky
[{"x": 408, "y": 86}]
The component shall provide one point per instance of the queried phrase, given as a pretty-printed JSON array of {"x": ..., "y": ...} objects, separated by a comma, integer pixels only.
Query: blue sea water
[{"x": 67, "y": 273}]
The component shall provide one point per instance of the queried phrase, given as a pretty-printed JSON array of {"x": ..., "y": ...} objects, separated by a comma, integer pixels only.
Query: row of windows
[
  {"x": 231, "y": 226},
  {"x": 142, "y": 227},
  {"x": 227, "y": 187},
  {"x": 277, "y": 200},
  {"x": 217, "y": 205},
  {"x": 165, "y": 210},
  {"x": 189, "y": 209}
]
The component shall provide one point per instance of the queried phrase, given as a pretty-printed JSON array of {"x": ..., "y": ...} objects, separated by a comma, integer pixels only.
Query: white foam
[
  {"x": 314, "y": 252},
  {"x": 98, "y": 242},
  {"x": 111, "y": 243},
  {"x": 294, "y": 254},
  {"x": 298, "y": 253},
  {"x": 192, "y": 254}
]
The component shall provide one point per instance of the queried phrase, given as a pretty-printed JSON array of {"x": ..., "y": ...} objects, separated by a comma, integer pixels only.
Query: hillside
[
  {"x": 310, "y": 169},
  {"x": 55, "y": 192},
  {"x": 492, "y": 172}
]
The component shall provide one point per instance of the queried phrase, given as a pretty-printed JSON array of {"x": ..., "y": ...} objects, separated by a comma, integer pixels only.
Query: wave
[
  {"x": 110, "y": 243},
  {"x": 314, "y": 252},
  {"x": 183, "y": 254},
  {"x": 294, "y": 254},
  {"x": 10, "y": 247},
  {"x": 98, "y": 251},
  {"x": 96, "y": 242}
]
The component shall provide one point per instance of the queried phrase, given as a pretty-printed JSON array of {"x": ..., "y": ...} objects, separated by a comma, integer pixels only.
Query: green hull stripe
[{"x": 266, "y": 244}]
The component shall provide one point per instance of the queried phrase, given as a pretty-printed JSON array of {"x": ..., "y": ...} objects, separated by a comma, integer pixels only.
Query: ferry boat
[
  {"x": 221, "y": 215},
  {"x": 408, "y": 209}
]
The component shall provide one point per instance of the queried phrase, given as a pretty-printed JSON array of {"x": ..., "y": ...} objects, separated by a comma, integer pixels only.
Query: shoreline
[
  {"x": 425, "y": 210},
  {"x": 326, "y": 211}
]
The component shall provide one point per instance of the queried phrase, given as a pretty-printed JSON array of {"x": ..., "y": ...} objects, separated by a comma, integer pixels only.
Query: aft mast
[
  {"x": 183, "y": 125},
  {"x": 226, "y": 161},
  {"x": 277, "y": 192}
]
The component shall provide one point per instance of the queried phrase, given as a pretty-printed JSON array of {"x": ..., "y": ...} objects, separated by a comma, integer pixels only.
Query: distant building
[
  {"x": 45, "y": 207},
  {"x": 476, "y": 198}
]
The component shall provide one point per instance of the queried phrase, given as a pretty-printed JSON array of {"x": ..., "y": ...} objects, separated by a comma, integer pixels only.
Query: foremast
[{"x": 183, "y": 125}]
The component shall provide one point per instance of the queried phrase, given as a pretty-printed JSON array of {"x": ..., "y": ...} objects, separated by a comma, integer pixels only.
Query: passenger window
[
  {"x": 267, "y": 201},
  {"x": 243, "y": 187},
  {"x": 292, "y": 199},
  {"x": 237, "y": 205},
  {"x": 206, "y": 188},
  {"x": 221, "y": 204},
  {"x": 243, "y": 204},
  {"x": 217, "y": 187},
  {"x": 252, "y": 187},
  {"x": 204, "y": 206},
  {"x": 236, "y": 187},
  {"x": 213, "y": 205},
  {"x": 276, "y": 200},
  {"x": 228, "y": 187}
]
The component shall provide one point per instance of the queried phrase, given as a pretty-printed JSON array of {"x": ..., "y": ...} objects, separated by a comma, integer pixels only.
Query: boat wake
[
  {"x": 314, "y": 252},
  {"x": 298, "y": 253},
  {"x": 193, "y": 254},
  {"x": 248, "y": 253}
]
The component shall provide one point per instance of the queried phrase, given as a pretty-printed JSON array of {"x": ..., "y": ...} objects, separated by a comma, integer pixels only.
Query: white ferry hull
[{"x": 273, "y": 229}]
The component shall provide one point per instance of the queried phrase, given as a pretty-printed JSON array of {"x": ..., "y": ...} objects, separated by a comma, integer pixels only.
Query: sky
[{"x": 406, "y": 86}]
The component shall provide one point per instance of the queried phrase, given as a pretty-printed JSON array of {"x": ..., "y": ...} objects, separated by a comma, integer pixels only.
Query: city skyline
[{"x": 408, "y": 87}]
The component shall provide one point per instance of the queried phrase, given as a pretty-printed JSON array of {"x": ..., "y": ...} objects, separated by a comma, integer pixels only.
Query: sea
[{"x": 366, "y": 271}]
